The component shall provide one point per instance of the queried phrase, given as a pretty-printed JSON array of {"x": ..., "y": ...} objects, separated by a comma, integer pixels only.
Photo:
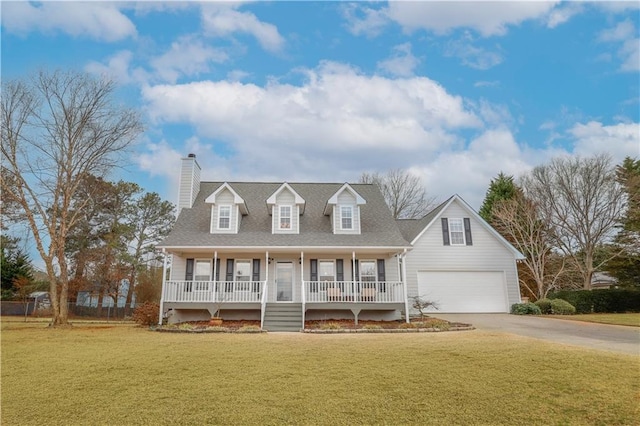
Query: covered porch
[{"x": 310, "y": 280}]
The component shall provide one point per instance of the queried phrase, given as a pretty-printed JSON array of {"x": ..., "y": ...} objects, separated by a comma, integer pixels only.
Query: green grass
[
  {"x": 632, "y": 319},
  {"x": 104, "y": 374}
]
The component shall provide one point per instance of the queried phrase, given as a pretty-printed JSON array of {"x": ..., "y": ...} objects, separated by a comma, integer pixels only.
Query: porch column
[
  {"x": 353, "y": 274},
  {"x": 404, "y": 285},
  {"x": 303, "y": 293},
  {"x": 213, "y": 279},
  {"x": 164, "y": 282},
  {"x": 266, "y": 271}
]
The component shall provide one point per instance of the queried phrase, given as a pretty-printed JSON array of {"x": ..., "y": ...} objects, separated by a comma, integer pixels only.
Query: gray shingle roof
[
  {"x": 411, "y": 228},
  {"x": 378, "y": 228}
]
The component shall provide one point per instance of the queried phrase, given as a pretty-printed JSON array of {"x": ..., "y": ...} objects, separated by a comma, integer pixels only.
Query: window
[
  {"x": 456, "y": 232},
  {"x": 285, "y": 217},
  {"x": 202, "y": 270},
  {"x": 243, "y": 275},
  {"x": 224, "y": 217},
  {"x": 368, "y": 273},
  {"x": 202, "y": 274},
  {"x": 346, "y": 217},
  {"x": 326, "y": 270}
]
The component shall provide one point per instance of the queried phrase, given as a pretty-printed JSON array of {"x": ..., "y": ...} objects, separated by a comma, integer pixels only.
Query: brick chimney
[{"x": 189, "y": 182}]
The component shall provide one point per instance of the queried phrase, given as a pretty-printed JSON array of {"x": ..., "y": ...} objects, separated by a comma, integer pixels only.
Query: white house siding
[
  {"x": 189, "y": 183},
  {"x": 486, "y": 254},
  {"x": 337, "y": 219}
]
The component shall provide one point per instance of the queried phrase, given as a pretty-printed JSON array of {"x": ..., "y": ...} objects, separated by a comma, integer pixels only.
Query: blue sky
[{"x": 455, "y": 92}]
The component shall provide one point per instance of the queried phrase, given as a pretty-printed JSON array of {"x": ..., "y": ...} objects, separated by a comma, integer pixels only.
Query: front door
[{"x": 284, "y": 281}]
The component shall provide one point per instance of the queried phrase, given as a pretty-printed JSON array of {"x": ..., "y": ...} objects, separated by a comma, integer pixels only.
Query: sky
[{"x": 453, "y": 92}]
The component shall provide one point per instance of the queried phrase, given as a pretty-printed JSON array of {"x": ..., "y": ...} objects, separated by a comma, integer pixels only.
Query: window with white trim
[
  {"x": 456, "y": 232},
  {"x": 202, "y": 274},
  {"x": 285, "y": 217},
  {"x": 346, "y": 217},
  {"x": 368, "y": 273},
  {"x": 224, "y": 217},
  {"x": 326, "y": 270},
  {"x": 243, "y": 275}
]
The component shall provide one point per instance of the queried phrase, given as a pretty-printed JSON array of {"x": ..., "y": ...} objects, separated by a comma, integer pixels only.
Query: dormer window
[
  {"x": 346, "y": 217},
  {"x": 224, "y": 217},
  {"x": 285, "y": 217},
  {"x": 286, "y": 207},
  {"x": 227, "y": 209},
  {"x": 344, "y": 207}
]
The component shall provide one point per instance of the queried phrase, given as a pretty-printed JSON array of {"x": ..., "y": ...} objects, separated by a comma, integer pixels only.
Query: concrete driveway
[{"x": 615, "y": 338}]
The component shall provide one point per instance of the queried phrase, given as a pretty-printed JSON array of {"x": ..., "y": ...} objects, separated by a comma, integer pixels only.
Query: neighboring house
[
  {"x": 603, "y": 280},
  {"x": 285, "y": 252}
]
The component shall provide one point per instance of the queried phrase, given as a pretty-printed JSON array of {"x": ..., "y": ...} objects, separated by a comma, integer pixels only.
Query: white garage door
[{"x": 460, "y": 292}]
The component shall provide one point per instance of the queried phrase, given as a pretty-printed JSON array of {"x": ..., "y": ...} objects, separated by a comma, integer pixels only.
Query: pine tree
[{"x": 500, "y": 188}]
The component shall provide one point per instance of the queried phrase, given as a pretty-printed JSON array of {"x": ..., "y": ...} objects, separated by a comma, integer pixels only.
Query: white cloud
[
  {"x": 620, "y": 32},
  {"x": 488, "y": 18},
  {"x": 620, "y": 140},
  {"x": 626, "y": 34},
  {"x": 468, "y": 171},
  {"x": 470, "y": 55},
  {"x": 118, "y": 67},
  {"x": 222, "y": 19},
  {"x": 562, "y": 14},
  {"x": 364, "y": 20},
  {"x": 188, "y": 56},
  {"x": 99, "y": 20},
  {"x": 401, "y": 63},
  {"x": 336, "y": 124}
]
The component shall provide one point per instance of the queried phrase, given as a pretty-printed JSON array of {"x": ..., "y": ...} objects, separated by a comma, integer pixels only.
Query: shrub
[
  {"x": 562, "y": 307},
  {"x": 147, "y": 314},
  {"x": 185, "y": 326},
  {"x": 544, "y": 305},
  {"x": 525, "y": 309},
  {"x": 602, "y": 300},
  {"x": 331, "y": 326}
]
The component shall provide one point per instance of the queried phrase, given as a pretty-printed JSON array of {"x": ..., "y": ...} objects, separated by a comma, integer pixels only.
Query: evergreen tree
[
  {"x": 14, "y": 264},
  {"x": 626, "y": 266},
  {"x": 501, "y": 188}
]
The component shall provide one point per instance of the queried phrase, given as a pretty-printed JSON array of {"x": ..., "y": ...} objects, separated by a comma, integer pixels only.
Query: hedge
[{"x": 602, "y": 300}]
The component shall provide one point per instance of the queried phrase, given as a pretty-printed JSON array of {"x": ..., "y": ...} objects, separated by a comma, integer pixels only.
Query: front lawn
[
  {"x": 632, "y": 319},
  {"x": 104, "y": 374}
]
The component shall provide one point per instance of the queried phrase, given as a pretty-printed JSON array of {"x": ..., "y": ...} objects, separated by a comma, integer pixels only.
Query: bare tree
[
  {"x": 56, "y": 129},
  {"x": 581, "y": 202},
  {"x": 518, "y": 220},
  {"x": 404, "y": 193}
]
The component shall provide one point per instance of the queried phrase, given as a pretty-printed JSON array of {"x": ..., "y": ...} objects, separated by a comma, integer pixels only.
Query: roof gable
[
  {"x": 433, "y": 216},
  {"x": 237, "y": 199},
  {"x": 333, "y": 200},
  {"x": 298, "y": 200}
]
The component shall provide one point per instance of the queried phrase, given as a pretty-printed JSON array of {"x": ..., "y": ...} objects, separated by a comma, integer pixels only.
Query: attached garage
[{"x": 464, "y": 291}]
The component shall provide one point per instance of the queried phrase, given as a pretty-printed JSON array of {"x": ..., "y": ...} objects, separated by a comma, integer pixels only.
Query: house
[
  {"x": 283, "y": 253},
  {"x": 603, "y": 280}
]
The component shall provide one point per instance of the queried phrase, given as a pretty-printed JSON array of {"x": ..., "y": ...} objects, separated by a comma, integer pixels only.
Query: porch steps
[{"x": 283, "y": 317}]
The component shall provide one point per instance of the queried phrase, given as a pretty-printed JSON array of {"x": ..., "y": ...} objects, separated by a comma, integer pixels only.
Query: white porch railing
[
  {"x": 214, "y": 292},
  {"x": 354, "y": 292}
]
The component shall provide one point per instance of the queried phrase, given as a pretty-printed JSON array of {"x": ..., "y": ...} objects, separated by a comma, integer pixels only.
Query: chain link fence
[{"x": 34, "y": 309}]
